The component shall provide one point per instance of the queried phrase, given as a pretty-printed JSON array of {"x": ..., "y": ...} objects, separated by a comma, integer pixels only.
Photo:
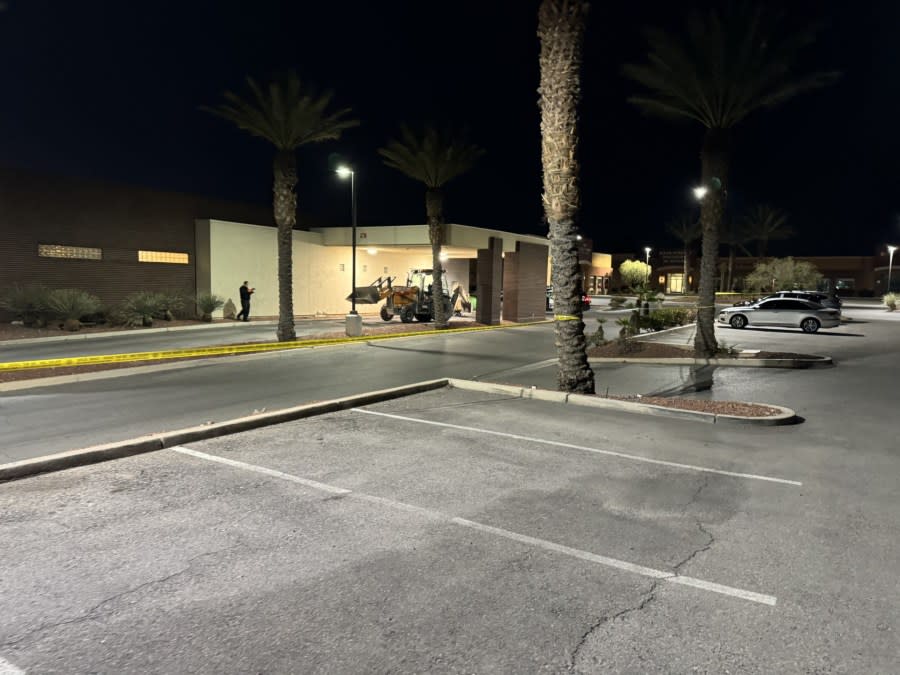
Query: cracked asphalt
[{"x": 373, "y": 542}]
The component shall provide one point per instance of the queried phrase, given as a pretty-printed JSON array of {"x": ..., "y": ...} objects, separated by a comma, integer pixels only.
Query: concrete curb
[
  {"x": 786, "y": 416},
  {"x": 818, "y": 362},
  {"x": 142, "y": 444},
  {"x": 158, "y": 366}
]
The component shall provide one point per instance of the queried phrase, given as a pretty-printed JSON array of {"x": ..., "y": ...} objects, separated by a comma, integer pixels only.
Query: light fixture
[
  {"x": 344, "y": 171},
  {"x": 371, "y": 251},
  {"x": 700, "y": 192},
  {"x": 443, "y": 255},
  {"x": 891, "y": 250}
]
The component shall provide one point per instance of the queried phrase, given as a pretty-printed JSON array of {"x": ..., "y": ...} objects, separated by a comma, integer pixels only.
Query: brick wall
[{"x": 120, "y": 220}]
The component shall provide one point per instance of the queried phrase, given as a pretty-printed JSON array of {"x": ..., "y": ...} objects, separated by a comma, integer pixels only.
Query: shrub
[
  {"x": 70, "y": 304},
  {"x": 597, "y": 339},
  {"x": 207, "y": 303},
  {"x": 171, "y": 304},
  {"x": 669, "y": 317},
  {"x": 616, "y": 301},
  {"x": 634, "y": 272},
  {"x": 628, "y": 325},
  {"x": 782, "y": 274},
  {"x": 28, "y": 303},
  {"x": 138, "y": 309},
  {"x": 890, "y": 301}
]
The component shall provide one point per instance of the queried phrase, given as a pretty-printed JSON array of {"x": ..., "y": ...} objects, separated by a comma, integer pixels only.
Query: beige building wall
[
  {"x": 322, "y": 274},
  {"x": 239, "y": 252},
  {"x": 230, "y": 252}
]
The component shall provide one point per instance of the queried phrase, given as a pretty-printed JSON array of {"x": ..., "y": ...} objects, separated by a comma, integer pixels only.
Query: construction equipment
[{"x": 414, "y": 301}]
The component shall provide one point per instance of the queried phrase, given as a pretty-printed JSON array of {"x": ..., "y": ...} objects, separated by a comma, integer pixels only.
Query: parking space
[{"x": 452, "y": 531}]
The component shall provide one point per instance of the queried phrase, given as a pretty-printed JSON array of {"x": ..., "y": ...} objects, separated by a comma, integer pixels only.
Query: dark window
[{"x": 794, "y": 304}]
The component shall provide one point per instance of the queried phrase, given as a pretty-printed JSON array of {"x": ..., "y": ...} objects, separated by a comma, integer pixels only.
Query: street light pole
[
  {"x": 353, "y": 234},
  {"x": 891, "y": 250},
  {"x": 354, "y": 321}
]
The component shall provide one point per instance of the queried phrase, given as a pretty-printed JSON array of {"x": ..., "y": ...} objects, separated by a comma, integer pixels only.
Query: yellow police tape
[{"x": 229, "y": 350}]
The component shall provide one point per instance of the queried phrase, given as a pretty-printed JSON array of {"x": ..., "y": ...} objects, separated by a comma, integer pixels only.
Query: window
[
  {"x": 70, "y": 252},
  {"x": 163, "y": 257}
]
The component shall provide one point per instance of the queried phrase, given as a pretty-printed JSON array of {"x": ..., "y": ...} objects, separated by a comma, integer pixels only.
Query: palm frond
[
  {"x": 430, "y": 156},
  {"x": 724, "y": 66},
  {"x": 285, "y": 113},
  {"x": 686, "y": 229},
  {"x": 765, "y": 223}
]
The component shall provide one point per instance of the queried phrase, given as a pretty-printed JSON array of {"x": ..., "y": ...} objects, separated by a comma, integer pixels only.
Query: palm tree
[
  {"x": 765, "y": 224},
  {"x": 724, "y": 68},
  {"x": 561, "y": 26},
  {"x": 433, "y": 158},
  {"x": 687, "y": 231},
  {"x": 288, "y": 116},
  {"x": 735, "y": 236}
]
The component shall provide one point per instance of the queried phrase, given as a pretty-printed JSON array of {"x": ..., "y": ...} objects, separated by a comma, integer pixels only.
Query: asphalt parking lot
[{"x": 457, "y": 531}]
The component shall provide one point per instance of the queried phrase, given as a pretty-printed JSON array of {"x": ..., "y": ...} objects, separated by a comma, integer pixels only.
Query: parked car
[
  {"x": 824, "y": 298},
  {"x": 788, "y": 312},
  {"x": 585, "y": 300}
]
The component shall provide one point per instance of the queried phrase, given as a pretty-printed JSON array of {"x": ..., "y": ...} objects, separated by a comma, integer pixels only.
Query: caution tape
[{"x": 230, "y": 350}]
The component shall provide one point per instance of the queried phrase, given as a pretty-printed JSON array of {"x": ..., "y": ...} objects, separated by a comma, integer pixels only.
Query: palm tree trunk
[
  {"x": 285, "y": 207},
  {"x": 434, "y": 208},
  {"x": 561, "y": 25},
  {"x": 714, "y": 160},
  {"x": 687, "y": 268}
]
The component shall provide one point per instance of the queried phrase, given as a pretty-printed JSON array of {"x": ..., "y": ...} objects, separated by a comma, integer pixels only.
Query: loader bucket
[{"x": 366, "y": 295}]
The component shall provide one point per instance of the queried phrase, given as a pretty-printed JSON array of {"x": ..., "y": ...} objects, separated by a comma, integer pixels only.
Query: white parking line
[
  {"x": 262, "y": 470},
  {"x": 6, "y": 668},
  {"x": 560, "y": 444},
  {"x": 431, "y": 514}
]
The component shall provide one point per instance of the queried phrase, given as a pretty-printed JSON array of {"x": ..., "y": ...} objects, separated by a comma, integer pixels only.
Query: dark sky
[{"x": 112, "y": 90}]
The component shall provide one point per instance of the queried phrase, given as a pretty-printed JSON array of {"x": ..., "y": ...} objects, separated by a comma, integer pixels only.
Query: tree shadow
[{"x": 759, "y": 329}]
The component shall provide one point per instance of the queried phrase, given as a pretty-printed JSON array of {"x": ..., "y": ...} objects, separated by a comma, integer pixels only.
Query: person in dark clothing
[{"x": 246, "y": 292}]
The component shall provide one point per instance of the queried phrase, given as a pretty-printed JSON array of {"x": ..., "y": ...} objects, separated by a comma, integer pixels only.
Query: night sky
[{"x": 112, "y": 90}]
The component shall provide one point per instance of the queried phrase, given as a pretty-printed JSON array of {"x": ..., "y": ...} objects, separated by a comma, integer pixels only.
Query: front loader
[{"x": 414, "y": 301}]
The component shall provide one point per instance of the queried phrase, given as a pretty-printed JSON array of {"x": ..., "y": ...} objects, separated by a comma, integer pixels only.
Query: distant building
[{"x": 847, "y": 275}]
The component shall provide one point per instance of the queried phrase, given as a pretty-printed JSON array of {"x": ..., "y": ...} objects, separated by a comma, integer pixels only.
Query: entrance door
[{"x": 675, "y": 283}]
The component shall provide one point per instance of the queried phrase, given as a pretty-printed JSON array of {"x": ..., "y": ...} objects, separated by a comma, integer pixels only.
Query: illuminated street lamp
[
  {"x": 354, "y": 323},
  {"x": 891, "y": 250},
  {"x": 647, "y": 250},
  {"x": 700, "y": 192}
]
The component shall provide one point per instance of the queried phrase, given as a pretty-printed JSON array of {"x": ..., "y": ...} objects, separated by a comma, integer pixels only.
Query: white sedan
[{"x": 791, "y": 313}]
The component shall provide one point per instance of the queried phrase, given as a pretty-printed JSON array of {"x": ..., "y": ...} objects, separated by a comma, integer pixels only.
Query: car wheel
[
  {"x": 738, "y": 321},
  {"x": 809, "y": 325}
]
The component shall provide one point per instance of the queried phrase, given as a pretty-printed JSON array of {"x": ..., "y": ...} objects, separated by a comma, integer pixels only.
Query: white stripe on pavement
[
  {"x": 559, "y": 444},
  {"x": 506, "y": 534},
  {"x": 261, "y": 469}
]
